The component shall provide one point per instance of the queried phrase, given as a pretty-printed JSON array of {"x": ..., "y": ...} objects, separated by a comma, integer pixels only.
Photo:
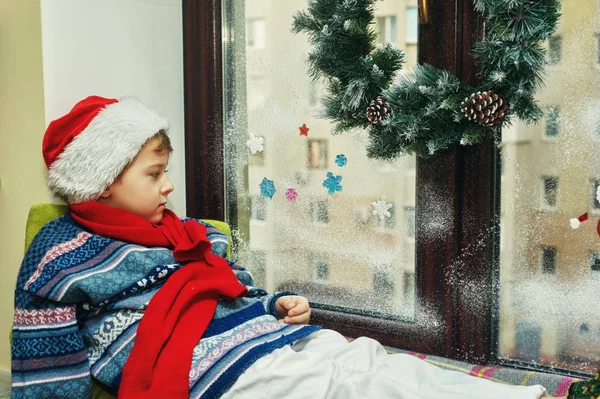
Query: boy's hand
[{"x": 293, "y": 309}]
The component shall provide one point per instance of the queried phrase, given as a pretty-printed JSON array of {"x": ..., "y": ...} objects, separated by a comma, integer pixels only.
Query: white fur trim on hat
[{"x": 95, "y": 158}]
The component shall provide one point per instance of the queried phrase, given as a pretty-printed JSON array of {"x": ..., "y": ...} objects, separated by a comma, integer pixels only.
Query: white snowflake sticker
[
  {"x": 255, "y": 144},
  {"x": 381, "y": 208}
]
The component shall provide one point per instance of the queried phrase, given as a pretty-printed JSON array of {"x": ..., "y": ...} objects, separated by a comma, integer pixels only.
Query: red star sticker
[{"x": 304, "y": 130}]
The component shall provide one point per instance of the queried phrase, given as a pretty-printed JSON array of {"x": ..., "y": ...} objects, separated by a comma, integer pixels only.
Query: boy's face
[{"x": 143, "y": 187}]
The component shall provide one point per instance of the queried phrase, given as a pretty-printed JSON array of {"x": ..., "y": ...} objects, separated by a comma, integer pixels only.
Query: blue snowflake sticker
[
  {"x": 267, "y": 188},
  {"x": 341, "y": 160},
  {"x": 332, "y": 183}
]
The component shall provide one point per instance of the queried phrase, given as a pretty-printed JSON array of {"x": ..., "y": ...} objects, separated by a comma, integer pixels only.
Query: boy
[{"x": 121, "y": 290}]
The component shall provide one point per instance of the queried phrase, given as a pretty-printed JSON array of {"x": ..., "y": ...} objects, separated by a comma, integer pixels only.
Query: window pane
[
  {"x": 328, "y": 247},
  {"x": 548, "y": 270}
]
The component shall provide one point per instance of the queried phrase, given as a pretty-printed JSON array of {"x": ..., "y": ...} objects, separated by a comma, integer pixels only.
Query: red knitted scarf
[{"x": 179, "y": 313}]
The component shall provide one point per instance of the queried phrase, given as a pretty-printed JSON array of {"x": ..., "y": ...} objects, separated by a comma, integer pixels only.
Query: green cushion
[{"x": 41, "y": 214}]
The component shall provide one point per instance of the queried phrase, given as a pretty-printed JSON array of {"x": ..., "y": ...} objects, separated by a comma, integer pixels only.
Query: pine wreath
[{"x": 430, "y": 110}]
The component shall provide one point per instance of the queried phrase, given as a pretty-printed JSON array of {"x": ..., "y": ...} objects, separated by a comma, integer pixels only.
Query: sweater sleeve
[{"x": 49, "y": 359}]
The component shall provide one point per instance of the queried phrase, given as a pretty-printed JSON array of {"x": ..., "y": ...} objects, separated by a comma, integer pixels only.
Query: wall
[
  {"x": 53, "y": 53},
  {"x": 114, "y": 48},
  {"x": 22, "y": 171}
]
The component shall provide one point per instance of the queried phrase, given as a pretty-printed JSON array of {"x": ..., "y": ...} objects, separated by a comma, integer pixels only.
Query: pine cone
[
  {"x": 378, "y": 110},
  {"x": 486, "y": 109}
]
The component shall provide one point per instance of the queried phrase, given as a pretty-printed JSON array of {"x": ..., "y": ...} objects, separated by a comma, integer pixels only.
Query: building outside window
[
  {"x": 317, "y": 154},
  {"x": 259, "y": 208},
  {"x": 319, "y": 211},
  {"x": 549, "y": 260},
  {"x": 409, "y": 214},
  {"x": 549, "y": 192},
  {"x": 319, "y": 268},
  {"x": 387, "y": 32},
  {"x": 552, "y": 122},
  {"x": 256, "y": 33},
  {"x": 594, "y": 184},
  {"x": 412, "y": 24},
  {"x": 554, "y": 50},
  {"x": 594, "y": 261}
]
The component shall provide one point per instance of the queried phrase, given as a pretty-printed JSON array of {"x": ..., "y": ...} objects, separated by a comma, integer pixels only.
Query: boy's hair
[
  {"x": 165, "y": 145},
  {"x": 88, "y": 148},
  {"x": 165, "y": 141}
]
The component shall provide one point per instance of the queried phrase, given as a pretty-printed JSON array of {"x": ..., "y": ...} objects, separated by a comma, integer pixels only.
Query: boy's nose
[{"x": 168, "y": 187}]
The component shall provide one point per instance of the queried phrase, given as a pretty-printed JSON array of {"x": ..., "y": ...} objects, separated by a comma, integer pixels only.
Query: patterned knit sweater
[{"x": 79, "y": 299}]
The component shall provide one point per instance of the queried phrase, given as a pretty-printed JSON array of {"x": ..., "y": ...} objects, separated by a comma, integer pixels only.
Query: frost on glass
[
  {"x": 550, "y": 272},
  {"x": 316, "y": 235}
]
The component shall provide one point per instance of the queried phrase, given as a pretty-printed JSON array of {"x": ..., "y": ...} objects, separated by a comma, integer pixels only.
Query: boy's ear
[{"x": 106, "y": 193}]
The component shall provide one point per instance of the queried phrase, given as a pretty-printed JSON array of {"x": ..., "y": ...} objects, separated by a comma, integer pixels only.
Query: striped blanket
[{"x": 79, "y": 299}]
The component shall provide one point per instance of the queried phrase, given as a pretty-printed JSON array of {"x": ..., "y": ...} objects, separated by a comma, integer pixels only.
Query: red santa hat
[{"x": 88, "y": 148}]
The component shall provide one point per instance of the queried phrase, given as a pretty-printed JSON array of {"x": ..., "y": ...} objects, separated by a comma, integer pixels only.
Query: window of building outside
[
  {"x": 257, "y": 263},
  {"x": 259, "y": 208},
  {"x": 412, "y": 26},
  {"x": 256, "y": 33},
  {"x": 549, "y": 260},
  {"x": 554, "y": 50},
  {"x": 594, "y": 184},
  {"x": 318, "y": 211},
  {"x": 549, "y": 192},
  {"x": 317, "y": 154},
  {"x": 547, "y": 332},
  {"x": 312, "y": 221},
  {"x": 594, "y": 261},
  {"x": 598, "y": 48},
  {"x": 319, "y": 268},
  {"x": 387, "y": 30},
  {"x": 409, "y": 213},
  {"x": 552, "y": 122}
]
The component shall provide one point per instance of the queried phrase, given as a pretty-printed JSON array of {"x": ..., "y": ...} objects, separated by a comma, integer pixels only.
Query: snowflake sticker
[
  {"x": 381, "y": 208},
  {"x": 291, "y": 194},
  {"x": 341, "y": 160},
  {"x": 255, "y": 144},
  {"x": 267, "y": 188},
  {"x": 332, "y": 183}
]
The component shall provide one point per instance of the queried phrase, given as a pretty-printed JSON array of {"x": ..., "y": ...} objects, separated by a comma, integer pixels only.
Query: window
[
  {"x": 319, "y": 268},
  {"x": 408, "y": 285},
  {"x": 317, "y": 154},
  {"x": 598, "y": 48},
  {"x": 595, "y": 183},
  {"x": 387, "y": 32},
  {"x": 549, "y": 192},
  {"x": 594, "y": 261},
  {"x": 256, "y": 35},
  {"x": 549, "y": 260},
  {"x": 412, "y": 24},
  {"x": 409, "y": 214},
  {"x": 552, "y": 122},
  {"x": 257, "y": 266},
  {"x": 390, "y": 223},
  {"x": 554, "y": 50},
  {"x": 512, "y": 330},
  {"x": 259, "y": 208},
  {"x": 529, "y": 341},
  {"x": 319, "y": 211},
  {"x": 383, "y": 280}
]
